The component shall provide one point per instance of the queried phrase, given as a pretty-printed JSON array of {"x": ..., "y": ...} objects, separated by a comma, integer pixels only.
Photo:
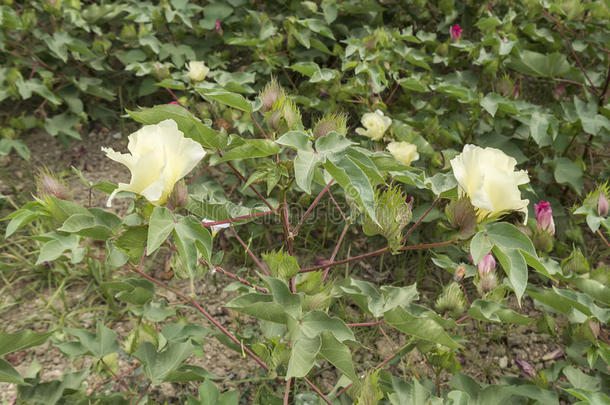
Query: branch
[
  {"x": 235, "y": 219},
  {"x": 313, "y": 204},
  {"x": 317, "y": 390},
  {"x": 252, "y": 255}
]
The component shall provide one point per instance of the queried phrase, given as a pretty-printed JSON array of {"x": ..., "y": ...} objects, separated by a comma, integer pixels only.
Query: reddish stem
[
  {"x": 172, "y": 94},
  {"x": 419, "y": 221},
  {"x": 258, "y": 126},
  {"x": 365, "y": 323},
  {"x": 235, "y": 277},
  {"x": 313, "y": 204},
  {"x": 377, "y": 253},
  {"x": 252, "y": 255},
  {"x": 230, "y": 220},
  {"x": 317, "y": 390},
  {"x": 332, "y": 257},
  {"x": 205, "y": 313},
  {"x": 287, "y": 391}
]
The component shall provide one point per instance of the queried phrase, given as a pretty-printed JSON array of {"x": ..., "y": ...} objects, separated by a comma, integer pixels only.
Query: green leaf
[
  {"x": 9, "y": 374},
  {"x": 231, "y": 99},
  {"x": 354, "y": 182},
  {"x": 132, "y": 242},
  {"x": 338, "y": 354},
  {"x": 494, "y": 312},
  {"x": 303, "y": 355},
  {"x": 250, "y": 148},
  {"x": 260, "y": 306},
  {"x": 281, "y": 264},
  {"x": 480, "y": 245},
  {"x": 188, "y": 373},
  {"x": 304, "y": 165},
  {"x": 422, "y": 328},
  {"x": 296, "y": 140},
  {"x": 103, "y": 343},
  {"x": 505, "y": 235},
  {"x": 191, "y": 126},
  {"x": 192, "y": 239},
  {"x": 540, "y": 65},
  {"x": 160, "y": 226},
  {"x": 316, "y": 322},
  {"x": 158, "y": 366},
  {"x": 594, "y": 288},
  {"x": 133, "y": 291},
  {"x": 515, "y": 267},
  {"x": 568, "y": 172},
  {"x": 12, "y": 342},
  {"x": 57, "y": 245},
  {"x": 291, "y": 303}
]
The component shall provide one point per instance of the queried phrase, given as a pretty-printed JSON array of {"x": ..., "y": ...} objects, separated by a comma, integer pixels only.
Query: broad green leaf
[
  {"x": 568, "y": 172},
  {"x": 57, "y": 245},
  {"x": 132, "y": 242},
  {"x": 100, "y": 344},
  {"x": 494, "y": 312},
  {"x": 338, "y": 354},
  {"x": 594, "y": 288},
  {"x": 157, "y": 366},
  {"x": 540, "y": 65},
  {"x": 192, "y": 240},
  {"x": 160, "y": 226},
  {"x": 187, "y": 373},
  {"x": 135, "y": 291},
  {"x": 422, "y": 328},
  {"x": 480, "y": 245},
  {"x": 250, "y": 148},
  {"x": 515, "y": 267},
  {"x": 231, "y": 99},
  {"x": 281, "y": 264},
  {"x": 316, "y": 322},
  {"x": 304, "y": 166},
  {"x": 295, "y": 139},
  {"x": 191, "y": 126},
  {"x": 260, "y": 306},
  {"x": 505, "y": 235},
  {"x": 12, "y": 342},
  {"x": 303, "y": 355},
  {"x": 9, "y": 374},
  {"x": 291, "y": 303}
]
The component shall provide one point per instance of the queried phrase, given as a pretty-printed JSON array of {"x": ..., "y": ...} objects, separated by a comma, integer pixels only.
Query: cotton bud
[
  {"x": 393, "y": 214},
  {"x": 461, "y": 215},
  {"x": 602, "y": 205},
  {"x": 544, "y": 216},
  {"x": 331, "y": 123},
  {"x": 271, "y": 94},
  {"x": 218, "y": 27},
  {"x": 575, "y": 263},
  {"x": 486, "y": 265},
  {"x": 487, "y": 283},
  {"x": 456, "y": 32},
  {"x": 49, "y": 185},
  {"x": 505, "y": 86},
  {"x": 179, "y": 197},
  {"x": 451, "y": 301},
  {"x": 543, "y": 241},
  {"x": 160, "y": 71},
  {"x": 291, "y": 113}
]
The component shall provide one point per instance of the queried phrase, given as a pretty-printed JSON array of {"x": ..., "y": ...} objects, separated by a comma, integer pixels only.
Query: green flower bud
[
  {"x": 393, "y": 214},
  {"x": 451, "y": 301},
  {"x": 331, "y": 122},
  {"x": 271, "y": 94},
  {"x": 543, "y": 241},
  {"x": 462, "y": 216},
  {"x": 575, "y": 263},
  {"x": 487, "y": 283}
]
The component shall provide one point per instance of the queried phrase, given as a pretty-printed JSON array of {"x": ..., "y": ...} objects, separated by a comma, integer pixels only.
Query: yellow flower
[
  {"x": 375, "y": 123},
  {"x": 159, "y": 156},
  {"x": 404, "y": 152},
  {"x": 197, "y": 71},
  {"x": 488, "y": 177}
]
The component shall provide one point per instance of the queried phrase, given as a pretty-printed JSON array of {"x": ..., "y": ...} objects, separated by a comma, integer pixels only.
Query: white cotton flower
[
  {"x": 159, "y": 155},
  {"x": 215, "y": 228},
  {"x": 375, "y": 123},
  {"x": 404, "y": 152},
  {"x": 488, "y": 177},
  {"x": 197, "y": 71}
]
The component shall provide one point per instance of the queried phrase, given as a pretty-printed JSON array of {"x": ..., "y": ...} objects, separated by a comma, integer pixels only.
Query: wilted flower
[
  {"x": 488, "y": 177},
  {"x": 544, "y": 216},
  {"x": 460, "y": 272},
  {"x": 462, "y": 215},
  {"x": 197, "y": 71},
  {"x": 375, "y": 123},
  {"x": 404, "y": 152},
  {"x": 215, "y": 228},
  {"x": 159, "y": 155},
  {"x": 602, "y": 205},
  {"x": 456, "y": 32}
]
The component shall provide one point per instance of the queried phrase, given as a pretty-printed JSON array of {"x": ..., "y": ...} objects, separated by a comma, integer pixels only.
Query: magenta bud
[
  {"x": 486, "y": 265},
  {"x": 218, "y": 27},
  {"x": 544, "y": 216},
  {"x": 602, "y": 205},
  {"x": 456, "y": 32}
]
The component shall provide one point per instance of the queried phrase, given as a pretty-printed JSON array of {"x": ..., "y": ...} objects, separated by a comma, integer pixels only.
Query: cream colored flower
[
  {"x": 197, "y": 71},
  {"x": 375, "y": 123},
  {"x": 488, "y": 177},
  {"x": 404, "y": 152},
  {"x": 215, "y": 228},
  {"x": 159, "y": 156}
]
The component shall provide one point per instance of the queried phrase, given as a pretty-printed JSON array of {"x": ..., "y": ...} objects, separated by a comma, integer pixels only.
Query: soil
[{"x": 494, "y": 354}]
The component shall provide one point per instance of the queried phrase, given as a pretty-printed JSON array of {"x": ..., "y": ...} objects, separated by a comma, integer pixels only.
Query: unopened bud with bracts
[
  {"x": 451, "y": 301},
  {"x": 575, "y": 263},
  {"x": 271, "y": 94},
  {"x": 49, "y": 185},
  {"x": 544, "y": 216},
  {"x": 178, "y": 198},
  {"x": 332, "y": 122},
  {"x": 602, "y": 205},
  {"x": 486, "y": 266},
  {"x": 462, "y": 215},
  {"x": 487, "y": 283}
]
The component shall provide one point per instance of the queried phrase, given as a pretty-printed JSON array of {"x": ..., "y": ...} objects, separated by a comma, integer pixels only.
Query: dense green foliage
[{"x": 301, "y": 101}]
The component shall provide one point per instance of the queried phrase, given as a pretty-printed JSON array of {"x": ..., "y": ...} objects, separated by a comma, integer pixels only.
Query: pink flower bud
[
  {"x": 487, "y": 265},
  {"x": 602, "y": 205},
  {"x": 559, "y": 92},
  {"x": 456, "y": 32},
  {"x": 218, "y": 27},
  {"x": 174, "y": 103},
  {"x": 544, "y": 216}
]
